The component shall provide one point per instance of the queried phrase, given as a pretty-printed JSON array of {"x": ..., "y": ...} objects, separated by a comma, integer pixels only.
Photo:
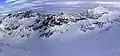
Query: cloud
[
  {"x": 23, "y": 5},
  {"x": 74, "y": 2},
  {"x": 18, "y": 2},
  {"x": 52, "y": 3},
  {"x": 18, "y": 5},
  {"x": 65, "y": 3},
  {"x": 8, "y": 1},
  {"x": 1, "y": 8},
  {"x": 109, "y": 3}
]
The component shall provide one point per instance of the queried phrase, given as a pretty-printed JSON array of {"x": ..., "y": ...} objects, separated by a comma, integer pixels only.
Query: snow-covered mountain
[
  {"x": 21, "y": 26},
  {"x": 29, "y": 26}
]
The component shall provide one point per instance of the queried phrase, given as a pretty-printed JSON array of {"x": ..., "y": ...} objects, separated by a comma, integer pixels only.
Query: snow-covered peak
[
  {"x": 94, "y": 13},
  {"x": 99, "y": 9}
]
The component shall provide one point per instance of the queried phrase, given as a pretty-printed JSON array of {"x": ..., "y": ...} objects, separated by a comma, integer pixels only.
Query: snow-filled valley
[{"x": 87, "y": 33}]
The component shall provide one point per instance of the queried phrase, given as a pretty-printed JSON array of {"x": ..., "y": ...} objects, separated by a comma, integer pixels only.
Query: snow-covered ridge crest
[
  {"x": 19, "y": 27},
  {"x": 98, "y": 10},
  {"x": 94, "y": 13}
]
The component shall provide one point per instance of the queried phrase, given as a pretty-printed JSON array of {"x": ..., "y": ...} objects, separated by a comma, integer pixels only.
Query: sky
[{"x": 54, "y": 5}]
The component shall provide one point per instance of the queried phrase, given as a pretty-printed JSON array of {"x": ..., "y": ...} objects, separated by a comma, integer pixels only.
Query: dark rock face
[
  {"x": 99, "y": 24},
  {"x": 26, "y": 14},
  {"x": 12, "y": 25}
]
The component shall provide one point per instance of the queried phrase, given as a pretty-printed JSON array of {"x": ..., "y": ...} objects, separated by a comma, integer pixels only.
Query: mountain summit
[
  {"x": 94, "y": 13},
  {"x": 99, "y": 10}
]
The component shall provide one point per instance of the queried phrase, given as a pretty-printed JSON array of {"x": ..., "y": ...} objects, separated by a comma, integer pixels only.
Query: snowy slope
[{"x": 31, "y": 32}]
